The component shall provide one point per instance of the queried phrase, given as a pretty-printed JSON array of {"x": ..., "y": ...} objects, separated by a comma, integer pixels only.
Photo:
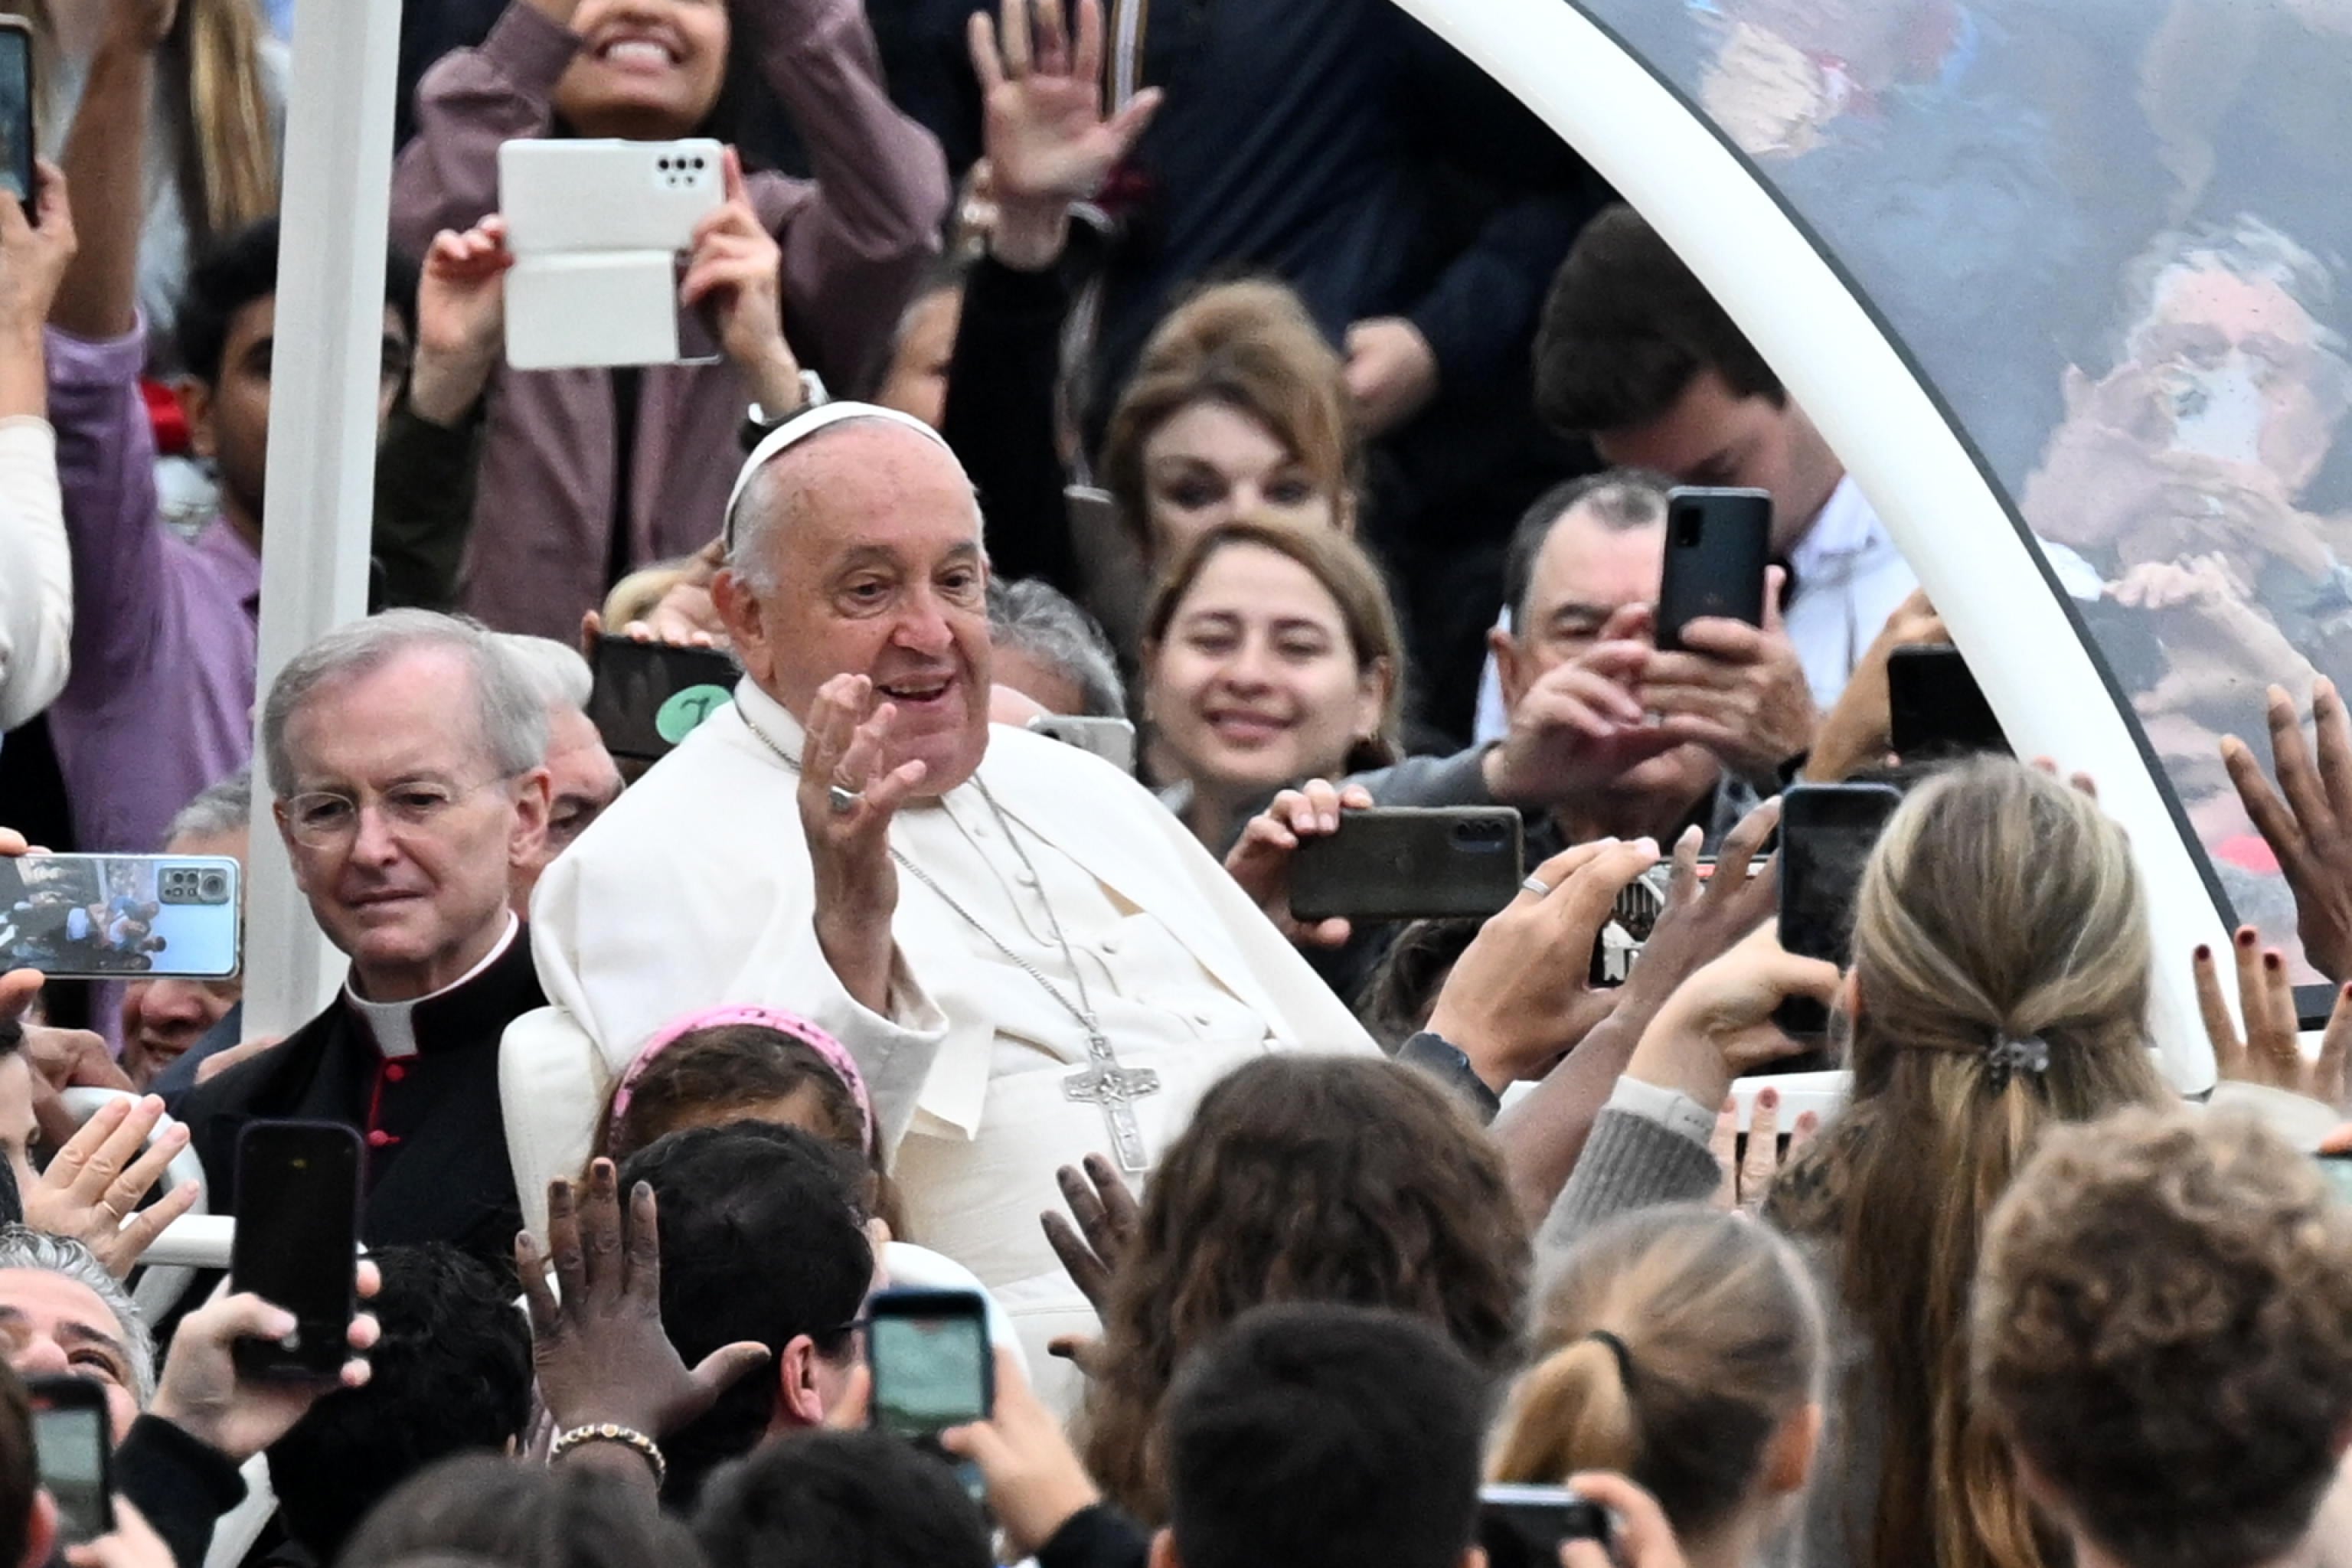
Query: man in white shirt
[
  {"x": 1030, "y": 958},
  {"x": 1634, "y": 354}
]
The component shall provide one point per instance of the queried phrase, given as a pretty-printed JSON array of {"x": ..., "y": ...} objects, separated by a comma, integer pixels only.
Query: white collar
[
  {"x": 393, "y": 1024},
  {"x": 1847, "y": 524}
]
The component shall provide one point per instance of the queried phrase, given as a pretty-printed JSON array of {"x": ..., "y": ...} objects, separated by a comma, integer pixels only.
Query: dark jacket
[
  {"x": 180, "y": 1484},
  {"x": 436, "y": 1165}
]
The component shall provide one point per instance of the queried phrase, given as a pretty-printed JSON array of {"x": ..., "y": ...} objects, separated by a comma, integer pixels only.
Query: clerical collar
[{"x": 393, "y": 1024}]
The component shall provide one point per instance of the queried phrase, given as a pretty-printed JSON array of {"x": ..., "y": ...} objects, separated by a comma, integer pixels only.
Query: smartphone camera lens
[{"x": 213, "y": 888}]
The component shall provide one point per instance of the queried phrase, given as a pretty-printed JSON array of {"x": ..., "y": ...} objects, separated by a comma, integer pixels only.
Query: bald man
[{"x": 1029, "y": 957}]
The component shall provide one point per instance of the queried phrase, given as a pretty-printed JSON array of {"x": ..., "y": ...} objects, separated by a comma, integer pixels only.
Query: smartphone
[
  {"x": 1112, "y": 739},
  {"x": 296, "y": 1245},
  {"x": 120, "y": 916},
  {"x": 933, "y": 1364},
  {"x": 73, "y": 1444},
  {"x": 1827, "y": 832},
  {"x": 603, "y": 194},
  {"x": 2337, "y": 1169},
  {"x": 1523, "y": 1527},
  {"x": 17, "y": 102},
  {"x": 649, "y": 696},
  {"x": 1717, "y": 544},
  {"x": 1410, "y": 863},
  {"x": 1935, "y": 707}
]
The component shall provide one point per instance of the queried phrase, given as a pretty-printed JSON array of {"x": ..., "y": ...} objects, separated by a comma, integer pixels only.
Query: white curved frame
[{"x": 1837, "y": 364}]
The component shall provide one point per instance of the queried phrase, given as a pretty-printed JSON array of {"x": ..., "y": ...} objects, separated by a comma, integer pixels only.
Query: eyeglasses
[{"x": 320, "y": 819}]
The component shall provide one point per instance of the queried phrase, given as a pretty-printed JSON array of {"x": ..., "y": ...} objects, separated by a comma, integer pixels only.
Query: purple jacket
[
  {"x": 855, "y": 245},
  {"x": 159, "y": 703}
]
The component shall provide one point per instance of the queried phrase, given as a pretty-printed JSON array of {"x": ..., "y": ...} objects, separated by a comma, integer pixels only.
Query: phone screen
[
  {"x": 134, "y": 916},
  {"x": 1523, "y": 1527},
  {"x": 2337, "y": 1169},
  {"x": 70, "y": 1441},
  {"x": 650, "y": 696},
  {"x": 1827, "y": 833},
  {"x": 16, "y": 113},
  {"x": 296, "y": 1241},
  {"x": 930, "y": 1372},
  {"x": 1935, "y": 707}
]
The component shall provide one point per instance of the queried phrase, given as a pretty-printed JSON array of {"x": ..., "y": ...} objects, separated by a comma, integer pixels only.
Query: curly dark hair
[
  {"x": 1302, "y": 1178},
  {"x": 2160, "y": 1328}
]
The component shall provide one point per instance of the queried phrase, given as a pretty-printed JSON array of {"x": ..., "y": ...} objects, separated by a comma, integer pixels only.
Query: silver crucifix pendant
[{"x": 1117, "y": 1088}]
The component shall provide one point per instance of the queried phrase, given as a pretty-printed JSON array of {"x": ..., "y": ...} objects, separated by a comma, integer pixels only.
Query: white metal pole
[
  {"x": 2037, "y": 677},
  {"x": 322, "y": 429}
]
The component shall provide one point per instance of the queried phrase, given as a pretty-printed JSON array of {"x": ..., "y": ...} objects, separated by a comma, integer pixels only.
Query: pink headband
[{"x": 790, "y": 1024}]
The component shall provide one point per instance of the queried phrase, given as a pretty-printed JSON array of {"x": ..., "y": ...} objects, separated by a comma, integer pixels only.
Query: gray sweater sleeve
[
  {"x": 1630, "y": 1162},
  {"x": 1458, "y": 780}
]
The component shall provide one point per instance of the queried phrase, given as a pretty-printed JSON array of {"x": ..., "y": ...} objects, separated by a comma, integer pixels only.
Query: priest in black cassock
[{"x": 406, "y": 753}]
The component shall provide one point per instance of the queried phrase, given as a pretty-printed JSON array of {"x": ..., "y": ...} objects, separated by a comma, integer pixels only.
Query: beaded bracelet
[{"x": 611, "y": 1432}]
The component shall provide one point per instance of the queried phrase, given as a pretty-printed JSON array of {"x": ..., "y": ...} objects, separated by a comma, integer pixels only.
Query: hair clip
[{"x": 2006, "y": 1057}]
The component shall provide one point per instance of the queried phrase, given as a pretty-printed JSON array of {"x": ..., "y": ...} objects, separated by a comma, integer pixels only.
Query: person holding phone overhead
[
  {"x": 1028, "y": 956},
  {"x": 587, "y": 474},
  {"x": 407, "y": 756}
]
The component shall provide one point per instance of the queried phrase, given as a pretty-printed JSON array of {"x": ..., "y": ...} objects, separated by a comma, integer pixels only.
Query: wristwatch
[
  {"x": 758, "y": 425},
  {"x": 1443, "y": 1060}
]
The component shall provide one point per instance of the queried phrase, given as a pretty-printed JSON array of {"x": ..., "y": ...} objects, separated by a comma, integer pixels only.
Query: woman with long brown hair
[
  {"x": 2000, "y": 986},
  {"x": 1301, "y": 1178}
]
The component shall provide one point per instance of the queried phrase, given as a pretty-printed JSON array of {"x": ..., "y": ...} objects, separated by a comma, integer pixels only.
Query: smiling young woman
[{"x": 1270, "y": 655}]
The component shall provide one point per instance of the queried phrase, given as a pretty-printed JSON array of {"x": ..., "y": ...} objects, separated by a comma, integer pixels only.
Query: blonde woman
[
  {"x": 2000, "y": 987},
  {"x": 214, "y": 128}
]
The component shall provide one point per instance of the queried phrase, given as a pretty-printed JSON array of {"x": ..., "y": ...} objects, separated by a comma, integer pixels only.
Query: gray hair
[
  {"x": 555, "y": 670},
  {"x": 759, "y": 512},
  {"x": 1034, "y": 617},
  {"x": 510, "y": 718},
  {"x": 222, "y": 809},
  {"x": 22, "y": 1248}
]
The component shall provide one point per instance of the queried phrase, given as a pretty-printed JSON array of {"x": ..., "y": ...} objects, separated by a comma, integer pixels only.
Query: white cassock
[{"x": 695, "y": 890}]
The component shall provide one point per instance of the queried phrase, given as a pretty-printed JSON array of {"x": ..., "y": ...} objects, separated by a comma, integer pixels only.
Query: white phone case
[
  {"x": 604, "y": 196},
  {"x": 614, "y": 307}
]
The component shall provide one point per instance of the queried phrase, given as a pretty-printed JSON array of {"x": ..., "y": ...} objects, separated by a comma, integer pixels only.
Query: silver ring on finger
[
  {"x": 1538, "y": 885},
  {"x": 842, "y": 800}
]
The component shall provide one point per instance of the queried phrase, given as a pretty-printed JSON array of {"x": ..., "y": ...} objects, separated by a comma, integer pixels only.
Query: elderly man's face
[
  {"x": 402, "y": 833},
  {"x": 879, "y": 571},
  {"x": 51, "y": 1326}
]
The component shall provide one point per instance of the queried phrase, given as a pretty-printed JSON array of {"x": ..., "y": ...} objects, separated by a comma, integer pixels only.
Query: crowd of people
[{"x": 1251, "y": 431}]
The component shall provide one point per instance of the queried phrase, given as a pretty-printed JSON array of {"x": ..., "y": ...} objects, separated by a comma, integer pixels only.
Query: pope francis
[{"x": 1030, "y": 957}]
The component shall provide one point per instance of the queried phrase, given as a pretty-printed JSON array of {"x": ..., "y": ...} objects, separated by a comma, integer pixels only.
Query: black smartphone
[
  {"x": 297, "y": 1243},
  {"x": 16, "y": 113},
  {"x": 933, "y": 1364},
  {"x": 1827, "y": 832},
  {"x": 1717, "y": 544},
  {"x": 2337, "y": 1169},
  {"x": 73, "y": 1445},
  {"x": 142, "y": 917},
  {"x": 650, "y": 696},
  {"x": 1410, "y": 863},
  {"x": 1936, "y": 708},
  {"x": 1522, "y": 1527}
]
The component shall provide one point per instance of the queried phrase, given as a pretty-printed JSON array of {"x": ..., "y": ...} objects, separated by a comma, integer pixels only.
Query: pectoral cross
[{"x": 1116, "y": 1088}]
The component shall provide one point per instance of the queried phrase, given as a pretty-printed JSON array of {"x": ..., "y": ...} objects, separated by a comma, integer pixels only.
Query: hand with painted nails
[
  {"x": 2307, "y": 819},
  {"x": 1748, "y": 1175},
  {"x": 1521, "y": 996},
  {"x": 2270, "y": 1050},
  {"x": 1260, "y": 858}
]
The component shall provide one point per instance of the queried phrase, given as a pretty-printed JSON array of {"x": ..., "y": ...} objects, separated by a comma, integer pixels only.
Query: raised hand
[
  {"x": 1579, "y": 724},
  {"x": 1107, "y": 1216},
  {"x": 34, "y": 254},
  {"x": 2310, "y": 829},
  {"x": 1857, "y": 731},
  {"x": 850, "y": 790},
  {"x": 1260, "y": 858},
  {"x": 2270, "y": 1052},
  {"x": 1645, "y": 1538},
  {"x": 1705, "y": 920},
  {"x": 91, "y": 1190},
  {"x": 736, "y": 269},
  {"x": 1035, "y": 1481},
  {"x": 1739, "y": 691},
  {"x": 1046, "y": 139},
  {"x": 201, "y": 1392},
  {"x": 1719, "y": 1025},
  {"x": 1747, "y": 1178},
  {"x": 600, "y": 1352},
  {"x": 1519, "y": 997},
  {"x": 460, "y": 319}
]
